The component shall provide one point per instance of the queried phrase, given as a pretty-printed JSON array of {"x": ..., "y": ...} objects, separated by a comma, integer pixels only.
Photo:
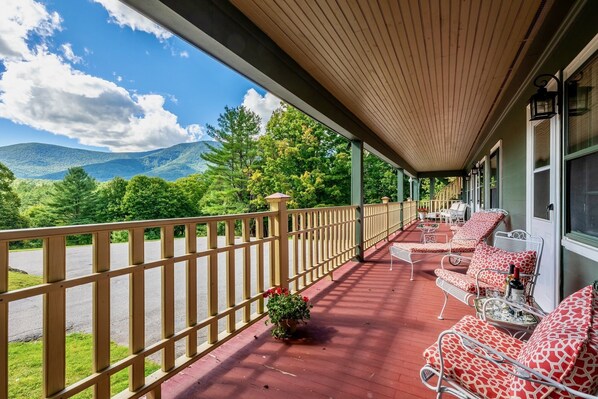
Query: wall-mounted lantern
[{"x": 543, "y": 104}]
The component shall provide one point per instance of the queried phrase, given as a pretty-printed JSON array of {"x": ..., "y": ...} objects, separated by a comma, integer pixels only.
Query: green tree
[
  {"x": 302, "y": 158},
  {"x": 194, "y": 187},
  {"x": 154, "y": 198},
  {"x": 230, "y": 165},
  {"x": 110, "y": 200},
  {"x": 10, "y": 217},
  {"x": 379, "y": 180},
  {"x": 74, "y": 199}
]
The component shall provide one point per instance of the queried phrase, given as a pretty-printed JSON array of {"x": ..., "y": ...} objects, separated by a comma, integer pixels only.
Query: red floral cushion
[
  {"x": 556, "y": 347},
  {"x": 462, "y": 281},
  {"x": 473, "y": 372},
  {"x": 584, "y": 375},
  {"x": 488, "y": 257},
  {"x": 476, "y": 231}
]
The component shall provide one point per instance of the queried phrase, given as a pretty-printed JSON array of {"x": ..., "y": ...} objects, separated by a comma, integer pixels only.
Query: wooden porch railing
[
  {"x": 290, "y": 248},
  {"x": 445, "y": 197}
]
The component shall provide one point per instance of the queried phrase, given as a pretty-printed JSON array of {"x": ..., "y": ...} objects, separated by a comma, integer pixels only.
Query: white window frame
[
  {"x": 497, "y": 146},
  {"x": 580, "y": 248}
]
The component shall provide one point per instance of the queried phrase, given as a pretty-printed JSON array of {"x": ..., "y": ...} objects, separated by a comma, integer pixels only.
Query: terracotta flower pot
[{"x": 289, "y": 325}]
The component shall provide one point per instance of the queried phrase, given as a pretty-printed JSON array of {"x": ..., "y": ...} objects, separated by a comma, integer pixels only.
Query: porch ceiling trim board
[
  {"x": 423, "y": 75},
  {"x": 221, "y": 30}
]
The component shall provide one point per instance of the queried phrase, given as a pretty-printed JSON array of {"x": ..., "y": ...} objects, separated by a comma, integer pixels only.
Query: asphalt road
[{"x": 26, "y": 316}]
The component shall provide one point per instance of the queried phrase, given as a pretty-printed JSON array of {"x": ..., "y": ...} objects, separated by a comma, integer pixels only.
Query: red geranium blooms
[{"x": 284, "y": 306}]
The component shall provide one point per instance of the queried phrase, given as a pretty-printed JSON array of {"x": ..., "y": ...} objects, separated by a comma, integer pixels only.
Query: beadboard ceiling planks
[{"x": 424, "y": 75}]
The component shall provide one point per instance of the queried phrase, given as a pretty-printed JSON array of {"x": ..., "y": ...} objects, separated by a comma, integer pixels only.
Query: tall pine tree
[
  {"x": 74, "y": 200},
  {"x": 230, "y": 164}
]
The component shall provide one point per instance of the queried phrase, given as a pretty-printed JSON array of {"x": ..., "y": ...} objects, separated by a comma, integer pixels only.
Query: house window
[
  {"x": 581, "y": 153},
  {"x": 481, "y": 185},
  {"x": 494, "y": 178}
]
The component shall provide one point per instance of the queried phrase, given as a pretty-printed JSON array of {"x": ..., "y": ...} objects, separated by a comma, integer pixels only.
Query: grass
[
  {"x": 25, "y": 366},
  {"x": 17, "y": 280}
]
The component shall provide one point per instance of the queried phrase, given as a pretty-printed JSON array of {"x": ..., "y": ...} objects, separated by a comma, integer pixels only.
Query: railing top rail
[
  {"x": 324, "y": 208},
  {"x": 24, "y": 234}
]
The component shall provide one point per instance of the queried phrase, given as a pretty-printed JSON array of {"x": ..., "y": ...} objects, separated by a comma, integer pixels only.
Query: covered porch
[{"x": 436, "y": 89}]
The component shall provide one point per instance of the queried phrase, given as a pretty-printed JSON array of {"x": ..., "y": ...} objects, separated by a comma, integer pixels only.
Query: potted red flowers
[{"x": 286, "y": 310}]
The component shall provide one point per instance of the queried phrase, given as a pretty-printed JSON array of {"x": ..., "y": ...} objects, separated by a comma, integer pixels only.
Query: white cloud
[
  {"x": 48, "y": 94},
  {"x": 69, "y": 54},
  {"x": 123, "y": 15},
  {"x": 262, "y": 106},
  {"x": 184, "y": 54},
  {"x": 18, "y": 19}
]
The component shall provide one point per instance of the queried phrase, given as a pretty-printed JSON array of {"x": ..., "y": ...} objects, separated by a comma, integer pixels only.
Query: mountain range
[{"x": 51, "y": 162}]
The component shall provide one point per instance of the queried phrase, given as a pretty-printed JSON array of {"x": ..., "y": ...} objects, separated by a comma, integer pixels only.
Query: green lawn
[
  {"x": 25, "y": 366},
  {"x": 20, "y": 280}
]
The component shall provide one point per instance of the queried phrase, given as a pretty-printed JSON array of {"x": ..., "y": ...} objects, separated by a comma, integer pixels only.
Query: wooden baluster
[
  {"x": 230, "y": 274},
  {"x": 54, "y": 362},
  {"x": 101, "y": 312},
  {"x": 246, "y": 271},
  {"x": 167, "y": 241},
  {"x": 191, "y": 287},
  {"x": 213, "y": 281},
  {"x": 259, "y": 261},
  {"x": 136, "y": 308}
]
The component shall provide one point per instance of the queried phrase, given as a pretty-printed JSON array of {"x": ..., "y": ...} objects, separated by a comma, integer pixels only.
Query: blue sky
[{"x": 95, "y": 74}]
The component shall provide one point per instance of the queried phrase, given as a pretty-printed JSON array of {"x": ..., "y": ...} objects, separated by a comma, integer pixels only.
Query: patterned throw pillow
[
  {"x": 558, "y": 348},
  {"x": 488, "y": 257}
]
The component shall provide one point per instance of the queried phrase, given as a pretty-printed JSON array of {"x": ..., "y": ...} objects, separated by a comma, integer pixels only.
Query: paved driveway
[{"x": 26, "y": 316}]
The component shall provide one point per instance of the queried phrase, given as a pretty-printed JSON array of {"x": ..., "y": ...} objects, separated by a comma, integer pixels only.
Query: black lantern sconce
[
  {"x": 467, "y": 177},
  {"x": 475, "y": 169},
  {"x": 543, "y": 104},
  {"x": 579, "y": 98}
]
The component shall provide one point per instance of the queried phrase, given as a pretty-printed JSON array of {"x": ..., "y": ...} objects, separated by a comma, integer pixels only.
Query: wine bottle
[
  {"x": 516, "y": 291},
  {"x": 508, "y": 280}
]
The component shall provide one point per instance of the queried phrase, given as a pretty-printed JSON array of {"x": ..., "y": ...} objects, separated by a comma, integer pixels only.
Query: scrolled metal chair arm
[{"x": 503, "y": 362}]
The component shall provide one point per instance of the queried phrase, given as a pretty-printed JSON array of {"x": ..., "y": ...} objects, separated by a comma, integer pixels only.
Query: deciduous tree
[{"x": 10, "y": 217}]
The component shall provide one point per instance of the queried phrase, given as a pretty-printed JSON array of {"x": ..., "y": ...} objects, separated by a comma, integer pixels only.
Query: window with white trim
[{"x": 581, "y": 153}]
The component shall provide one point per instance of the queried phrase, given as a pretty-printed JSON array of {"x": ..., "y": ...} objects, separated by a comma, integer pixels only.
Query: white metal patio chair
[
  {"x": 488, "y": 266},
  {"x": 446, "y": 215},
  {"x": 474, "y": 360}
]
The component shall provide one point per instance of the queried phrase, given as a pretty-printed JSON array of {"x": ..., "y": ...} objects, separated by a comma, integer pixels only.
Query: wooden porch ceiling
[{"x": 425, "y": 76}]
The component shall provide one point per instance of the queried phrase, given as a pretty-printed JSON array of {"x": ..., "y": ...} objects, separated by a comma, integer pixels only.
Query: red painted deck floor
[{"x": 368, "y": 330}]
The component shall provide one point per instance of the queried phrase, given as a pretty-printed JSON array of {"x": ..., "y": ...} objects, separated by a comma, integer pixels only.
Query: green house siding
[{"x": 577, "y": 271}]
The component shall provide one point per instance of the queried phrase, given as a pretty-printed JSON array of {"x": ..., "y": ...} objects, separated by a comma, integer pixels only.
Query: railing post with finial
[{"x": 280, "y": 229}]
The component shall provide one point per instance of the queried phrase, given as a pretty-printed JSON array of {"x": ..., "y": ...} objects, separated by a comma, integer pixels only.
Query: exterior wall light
[
  {"x": 579, "y": 98},
  {"x": 475, "y": 168},
  {"x": 543, "y": 104}
]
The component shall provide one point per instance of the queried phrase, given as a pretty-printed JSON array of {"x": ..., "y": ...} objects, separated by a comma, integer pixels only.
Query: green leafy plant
[{"x": 285, "y": 310}]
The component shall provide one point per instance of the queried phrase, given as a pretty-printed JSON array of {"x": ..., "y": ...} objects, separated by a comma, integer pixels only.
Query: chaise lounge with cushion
[{"x": 475, "y": 230}]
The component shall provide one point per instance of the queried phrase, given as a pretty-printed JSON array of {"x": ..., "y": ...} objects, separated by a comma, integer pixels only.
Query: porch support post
[
  {"x": 416, "y": 186},
  {"x": 411, "y": 189},
  {"x": 357, "y": 194},
  {"x": 432, "y": 183},
  {"x": 400, "y": 188}
]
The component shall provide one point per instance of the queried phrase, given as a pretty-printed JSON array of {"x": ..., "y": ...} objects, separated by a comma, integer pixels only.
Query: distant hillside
[{"x": 50, "y": 162}]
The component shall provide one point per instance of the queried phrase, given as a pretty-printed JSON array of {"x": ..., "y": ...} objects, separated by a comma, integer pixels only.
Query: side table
[{"x": 497, "y": 312}]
